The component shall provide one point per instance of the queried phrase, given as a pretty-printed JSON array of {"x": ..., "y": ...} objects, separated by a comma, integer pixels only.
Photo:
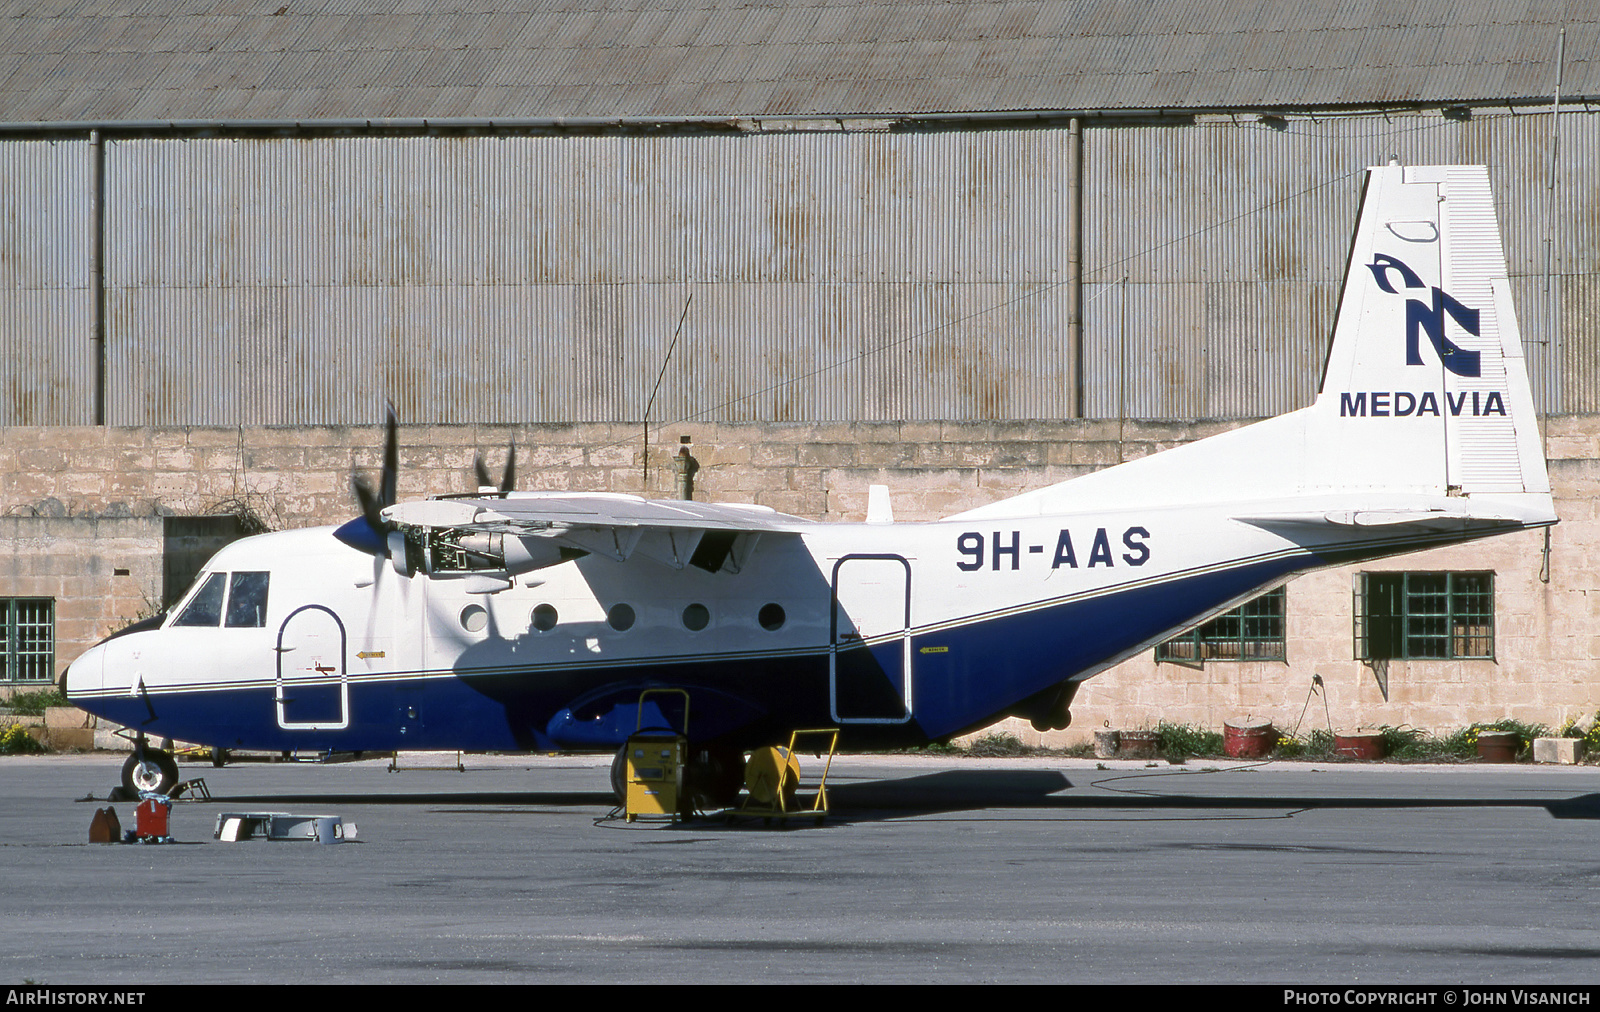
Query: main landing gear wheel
[
  {"x": 153, "y": 770},
  {"x": 619, "y": 775}
]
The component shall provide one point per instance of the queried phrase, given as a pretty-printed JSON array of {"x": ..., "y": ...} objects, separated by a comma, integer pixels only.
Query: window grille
[
  {"x": 1251, "y": 632},
  {"x": 27, "y": 639},
  {"x": 1424, "y": 616}
]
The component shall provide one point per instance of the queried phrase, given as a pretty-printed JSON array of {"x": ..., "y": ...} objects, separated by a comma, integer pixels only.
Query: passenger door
[
  {"x": 312, "y": 692},
  {"x": 870, "y": 659}
]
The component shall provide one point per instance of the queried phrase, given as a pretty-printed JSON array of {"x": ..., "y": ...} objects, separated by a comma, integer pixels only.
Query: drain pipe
[
  {"x": 97, "y": 271},
  {"x": 1075, "y": 264}
]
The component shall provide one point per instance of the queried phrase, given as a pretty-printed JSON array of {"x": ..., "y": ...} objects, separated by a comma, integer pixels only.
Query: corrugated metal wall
[
  {"x": 829, "y": 275},
  {"x": 46, "y": 302},
  {"x": 1214, "y": 253}
]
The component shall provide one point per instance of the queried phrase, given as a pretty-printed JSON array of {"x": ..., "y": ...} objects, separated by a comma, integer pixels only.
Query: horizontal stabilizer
[{"x": 1381, "y": 521}]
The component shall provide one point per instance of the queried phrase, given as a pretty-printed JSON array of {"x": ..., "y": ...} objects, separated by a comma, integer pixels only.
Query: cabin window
[
  {"x": 205, "y": 608},
  {"x": 27, "y": 639},
  {"x": 696, "y": 617},
  {"x": 247, "y": 600},
  {"x": 1251, "y": 632},
  {"x": 771, "y": 617},
  {"x": 545, "y": 617},
  {"x": 620, "y": 617},
  {"x": 1424, "y": 616}
]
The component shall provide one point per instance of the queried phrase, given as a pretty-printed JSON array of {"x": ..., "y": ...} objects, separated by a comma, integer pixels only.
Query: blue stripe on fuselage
[{"x": 962, "y": 676}]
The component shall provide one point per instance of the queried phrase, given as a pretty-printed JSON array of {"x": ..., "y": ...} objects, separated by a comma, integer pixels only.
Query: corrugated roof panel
[
  {"x": 316, "y": 33},
  {"x": 358, "y": 33},
  {"x": 138, "y": 35},
  {"x": 1116, "y": 45},
  {"x": 30, "y": 35},
  {"x": 686, "y": 27},
  {"x": 416, "y": 31},
  {"x": 76, "y": 35},
  {"x": 772, "y": 63},
  {"x": 1529, "y": 78},
  {"x": 32, "y": 74},
  {"x": 1535, "y": 45}
]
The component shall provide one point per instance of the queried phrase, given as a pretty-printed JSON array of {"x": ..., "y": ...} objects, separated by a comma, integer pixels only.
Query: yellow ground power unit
[{"x": 655, "y": 765}]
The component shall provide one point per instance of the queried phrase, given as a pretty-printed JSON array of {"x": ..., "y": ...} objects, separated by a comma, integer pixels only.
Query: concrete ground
[{"x": 930, "y": 869}]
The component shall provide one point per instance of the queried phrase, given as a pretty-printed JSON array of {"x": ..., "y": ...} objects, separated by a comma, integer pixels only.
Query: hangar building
[{"x": 961, "y": 248}]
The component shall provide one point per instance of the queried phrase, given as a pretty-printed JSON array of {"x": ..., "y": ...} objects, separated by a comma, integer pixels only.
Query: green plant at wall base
[
  {"x": 998, "y": 745},
  {"x": 1176, "y": 742},
  {"x": 33, "y": 704},
  {"x": 1404, "y": 742},
  {"x": 1314, "y": 744},
  {"x": 1463, "y": 743},
  {"x": 15, "y": 740}
]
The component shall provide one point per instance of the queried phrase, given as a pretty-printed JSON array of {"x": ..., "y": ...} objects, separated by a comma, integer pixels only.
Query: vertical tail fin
[{"x": 1425, "y": 387}]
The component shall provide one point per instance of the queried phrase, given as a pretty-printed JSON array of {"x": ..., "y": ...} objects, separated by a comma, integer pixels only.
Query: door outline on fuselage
[
  {"x": 853, "y": 641},
  {"x": 282, "y": 699}
]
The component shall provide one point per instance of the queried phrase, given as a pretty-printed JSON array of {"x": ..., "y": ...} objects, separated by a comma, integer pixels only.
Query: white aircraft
[{"x": 533, "y": 621}]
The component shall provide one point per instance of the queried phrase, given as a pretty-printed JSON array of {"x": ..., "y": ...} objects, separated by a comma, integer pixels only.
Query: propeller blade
[
  {"x": 391, "y": 457},
  {"x": 369, "y": 532},
  {"x": 371, "y": 503},
  {"x": 481, "y": 469}
]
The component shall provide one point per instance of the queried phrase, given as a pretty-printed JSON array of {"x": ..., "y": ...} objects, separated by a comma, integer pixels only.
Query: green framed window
[
  {"x": 1251, "y": 632},
  {"x": 27, "y": 639},
  {"x": 1424, "y": 616}
]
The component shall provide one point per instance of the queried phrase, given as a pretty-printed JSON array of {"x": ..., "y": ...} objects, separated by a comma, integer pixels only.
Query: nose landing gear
[{"x": 149, "y": 769}]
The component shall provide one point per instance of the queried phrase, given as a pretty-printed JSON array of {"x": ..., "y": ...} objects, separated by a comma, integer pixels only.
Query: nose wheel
[{"x": 150, "y": 769}]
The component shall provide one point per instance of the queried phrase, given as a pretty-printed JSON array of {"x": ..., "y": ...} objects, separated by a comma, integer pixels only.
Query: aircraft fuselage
[{"x": 896, "y": 633}]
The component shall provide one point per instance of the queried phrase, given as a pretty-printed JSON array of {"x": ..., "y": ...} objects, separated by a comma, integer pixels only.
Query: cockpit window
[
  {"x": 205, "y": 608},
  {"x": 247, "y": 600}
]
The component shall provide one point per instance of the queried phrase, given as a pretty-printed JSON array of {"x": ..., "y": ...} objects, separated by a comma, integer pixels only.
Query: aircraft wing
[
  {"x": 536, "y": 514},
  {"x": 714, "y": 536}
]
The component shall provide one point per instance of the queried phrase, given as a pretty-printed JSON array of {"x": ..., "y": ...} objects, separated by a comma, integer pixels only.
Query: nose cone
[{"x": 84, "y": 675}]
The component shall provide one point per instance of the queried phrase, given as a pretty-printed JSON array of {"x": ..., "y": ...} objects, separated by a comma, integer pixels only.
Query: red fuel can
[{"x": 151, "y": 818}]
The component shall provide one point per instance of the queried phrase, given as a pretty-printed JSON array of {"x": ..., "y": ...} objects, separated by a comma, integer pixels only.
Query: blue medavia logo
[{"x": 1421, "y": 318}]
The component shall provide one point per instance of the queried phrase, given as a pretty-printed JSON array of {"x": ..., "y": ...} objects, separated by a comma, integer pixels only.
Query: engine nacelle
[{"x": 513, "y": 554}]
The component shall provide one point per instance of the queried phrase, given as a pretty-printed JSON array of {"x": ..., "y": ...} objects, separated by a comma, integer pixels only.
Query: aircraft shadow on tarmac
[{"x": 956, "y": 791}]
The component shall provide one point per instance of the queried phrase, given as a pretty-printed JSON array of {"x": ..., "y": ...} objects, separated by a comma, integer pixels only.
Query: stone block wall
[
  {"x": 80, "y": 504},
  {"x": 102, "y": 571}
]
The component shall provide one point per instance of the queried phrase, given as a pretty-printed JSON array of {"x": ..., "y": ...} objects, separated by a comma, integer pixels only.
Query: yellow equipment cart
[{"x": 772, "y": 781}]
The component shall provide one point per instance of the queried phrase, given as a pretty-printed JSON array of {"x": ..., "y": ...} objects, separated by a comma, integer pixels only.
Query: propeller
[
  {"x": 369, "y": 532},
  {"x": 373, "y": 503},
  {"x": 507, "y": 480}
]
